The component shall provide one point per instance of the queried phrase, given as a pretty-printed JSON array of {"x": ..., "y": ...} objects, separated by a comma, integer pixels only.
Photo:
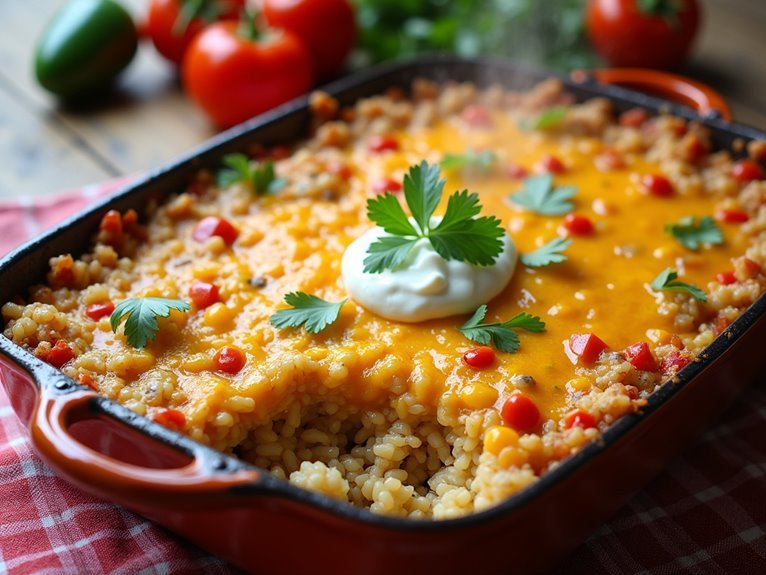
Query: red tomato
[
  {"x": 551, "y": 165},
  {"x": 479, "y": 357},
  {"x": 165, "y": 24},
  {"x": 725, "y": 278},
  {"x": 341, "y": 169},
  {"x": 746, "y": 171},
  {"x": 204, "y": 294},
  {"x": 520, "y": 412},
  {"x": 640, "y": 356},
  {"x": 579, "y": 418},
  {"x": 516, "y": 172},
  {"x": 673, "y": 362},
  {"x": 328, "y": 27},
  {"x": 732, "y": 216},
  {"x": 171, "y": 418},
  {"x": 233, "y": 77},
  {"x": 229, "y": 359},
  {"x": 211, "y": 226},
  {"x": 386, "y": 185},
  {"x": 59, "y": 354},
  {"x": 578, "y": 225},
  {"x": 98, "y": 310},
  {"x": 111, "y": 228},
  {"x": 658, "y": 186},
  {"x": 632, "y": 33},
  {"x": 584, "y": 348},
  {"x": 382, "y": 144}
]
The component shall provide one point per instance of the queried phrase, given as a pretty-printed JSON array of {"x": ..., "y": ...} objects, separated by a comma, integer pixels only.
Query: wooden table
[{"x": 45, "y": 148}]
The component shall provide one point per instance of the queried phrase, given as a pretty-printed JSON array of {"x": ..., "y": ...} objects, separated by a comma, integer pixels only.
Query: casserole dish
[{"x": 220, "y": 503}]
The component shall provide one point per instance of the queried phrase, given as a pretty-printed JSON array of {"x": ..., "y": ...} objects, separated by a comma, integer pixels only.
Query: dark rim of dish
[{"x": 435, "y": 67}]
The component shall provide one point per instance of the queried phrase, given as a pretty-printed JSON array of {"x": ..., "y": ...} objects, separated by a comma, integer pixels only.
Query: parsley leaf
[
  {"x": 667, "y": 281},
  {"x": 460, "y": 235},
  {"x": 501, "y": 335},
  {"x": 261, "y": 177},
  {"x": 471, "y": 159},
  {"x": 550, "y": 253},
  {"x": 691, "y": 232},
  {"x": 142, "y": 312},
  {"x": 549, "y": 118},
  {"x": 307, "y": 310},
  {"x": 539, "y": 196}
]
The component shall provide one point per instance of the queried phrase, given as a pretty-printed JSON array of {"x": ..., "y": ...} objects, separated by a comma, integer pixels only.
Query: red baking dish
[{"x": 266, "y": 525}]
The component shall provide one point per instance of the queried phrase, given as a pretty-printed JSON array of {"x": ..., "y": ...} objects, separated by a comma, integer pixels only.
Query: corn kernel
[
  {"x": 658, "y": 336},
  {"x": 512, "y": 457},
  {"x": 478, "y": 396},
  {"x": 579, "y": 383},
  {"x": 206, "y": 271},
  {"x": 198, "y": 363},
  {"x": 219, "y": 316},
  {"x": 498, "y": 438}
]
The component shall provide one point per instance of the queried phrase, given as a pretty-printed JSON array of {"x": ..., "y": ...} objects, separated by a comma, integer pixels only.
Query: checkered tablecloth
[{"x": 705, "y": 514}]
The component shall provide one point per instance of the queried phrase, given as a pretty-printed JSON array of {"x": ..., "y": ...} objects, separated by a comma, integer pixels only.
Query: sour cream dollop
[{"x": 425, "y": 286}]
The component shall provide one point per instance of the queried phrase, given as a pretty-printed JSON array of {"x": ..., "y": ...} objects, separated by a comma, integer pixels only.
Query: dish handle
[
  {"x": 704, "y": 99},
  {"x": 128, "y": 460}
]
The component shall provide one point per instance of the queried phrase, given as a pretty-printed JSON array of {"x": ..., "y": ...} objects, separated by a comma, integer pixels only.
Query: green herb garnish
[
  {"x": 459, "y": 236},
  {"x": 502, "y": 335},
  {"x": 692, "y": 232},
  {"x": 666, "y": 281},
  {"x": 550, "y": 253},
  {"x": 260, "y": 176},
  {"x": 471, "y": 159},
  {"x": 307, "y": 310},
  {"x": 549, "y": 118},
  {"x": 539, "y": 196},
  {"x": 142, "y": 312}
]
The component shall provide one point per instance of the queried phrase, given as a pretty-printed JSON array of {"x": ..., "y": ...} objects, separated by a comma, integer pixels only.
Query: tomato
[
  {"x": 172, "y": 24},
  {"x": 640, "y": 356},
  {"x": 550, "y": 165},
  {"x": 578, "y": 225},
  {"x": 516, "y": 172},
  {"x": 725, "y": 278},
  {"x": 386, "y": 185},
  {"x": 341, "y": 169},
  {"x": 59, "y": 354},
  {"x": 579, "y": 418},
  {"x": 746, "y": 171},
  {"x": 98, "y": 310},
  {"x": 84, "y": 47},
  {"x": 233, "y": 75},
  {"x": 658, "y": 186},
  {"x": 328, "y": 28},
  {"x": 171, "y": 418},
  {"x": 642, "y": 33},
  {"x": 673, "y": 363},
  {"x": 229, "y": 359},
  {"x": 204, "y": 294},
  {"x": 211, "y": 226},
  {"x": 584, "y": 348},
  {"x": 479, "y": 357},
  {"x": 380, "y": 144},
  {"x": 520, "y": 412},
  {"x": 732, "y": 216}
]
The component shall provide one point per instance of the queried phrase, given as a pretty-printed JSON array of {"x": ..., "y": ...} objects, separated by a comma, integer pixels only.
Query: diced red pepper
[
  {"x": 725, "y": 278},
  {"x": 342, "y": 169},
  {"x": 732, "y": 216},
  {"x": 59, "y": 354},
  {"x": 658, "y": 186},
  {"x": 111, "y": 228},
  {"x": 694, "y": 148},
  {"x": 609, "y": 160},
  {"x": 578, "y": 225},
  {"x": 479, "y": 357},
  {"x": 214, "y": 226},
  {"x": 579, "y": 418},
  {"x": 477, "y": 116},
  {"x": 98, "y": 310},
  {"x": 750, "y": 268},
  {"x": 386, "y": 185},
  {"x": 204, "y": 294},
  {"x": 551, "y": 165},
  {"x": 520, "y": 412},
  {"x": 634, "y": 118},
  {"x": 516, "y": 172},
  {"x": 87, "y": 379},
  {"x": 229, "y": 359},
  {"x": 584, "y": 348},
  {"x": 746, "y": 171},
  {"x": 673, "y": 362},
  {"x": 640, "y": 356},
  {"x": 382, "y": 144},
  {"x": 170, "y": 418}
]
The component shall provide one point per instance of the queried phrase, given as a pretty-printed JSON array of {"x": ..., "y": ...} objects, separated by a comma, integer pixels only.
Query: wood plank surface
[{"x": 148, "y": 121}]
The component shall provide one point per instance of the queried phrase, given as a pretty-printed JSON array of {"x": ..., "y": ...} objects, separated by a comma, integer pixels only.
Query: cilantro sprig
[
  {"x": 550, "y": 253},
  {"x": 308, "y": 311},
  {"x": 142, "y": 313},
  {"x": 668, "y": 281},
  {"x": 540, "y": 196},
  {"x": 501, "y": 335},
  {"x": 261, "y": 177},
  {"x": 692, "y": 232},
  {"x": 547, "y": 119},
  {"x": 482, "y": 161},
  {"x": 460, "y": 235}
]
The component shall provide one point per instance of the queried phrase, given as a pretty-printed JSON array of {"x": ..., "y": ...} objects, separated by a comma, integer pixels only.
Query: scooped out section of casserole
[{"x": 636, "y": 245}]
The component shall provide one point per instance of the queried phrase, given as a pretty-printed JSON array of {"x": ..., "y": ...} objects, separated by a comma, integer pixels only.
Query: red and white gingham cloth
[{"x": 705, "y": 514}]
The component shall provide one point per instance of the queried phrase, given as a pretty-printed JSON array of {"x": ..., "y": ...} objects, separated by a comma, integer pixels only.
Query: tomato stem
[
  {"x": 248, "y": 25},
  {"x": 666, "y": 9}
]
